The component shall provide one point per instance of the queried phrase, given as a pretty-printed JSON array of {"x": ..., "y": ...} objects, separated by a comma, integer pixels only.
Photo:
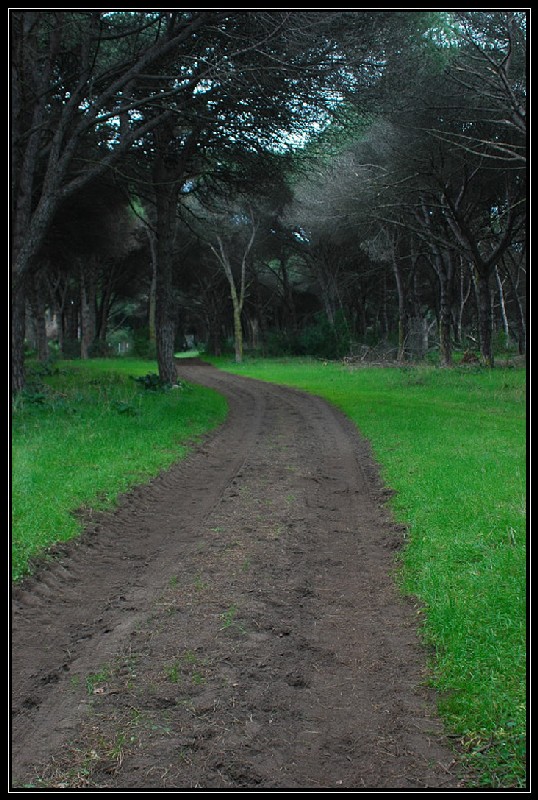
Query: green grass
[
  {"x": 452, "y": 443},
  {"x": 85, "y": 434}
]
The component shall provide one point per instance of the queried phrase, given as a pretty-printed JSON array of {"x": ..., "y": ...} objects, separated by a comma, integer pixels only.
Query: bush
[
  {"x": 321, "y": 338},
  {"x": 70, "y": 348},
  {"x": 326, "y": 340},
  {"x": 142, "y": 346},
  {"x": 151, "y": 382},
  {"x": 281, "y": 343}
]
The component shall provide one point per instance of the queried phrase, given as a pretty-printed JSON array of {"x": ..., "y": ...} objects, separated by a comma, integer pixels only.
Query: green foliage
[
  {"x": 443, "y": 35},
  {"x": 321, "y": 338},
  {"x": 347, "y": 124},
  {"x": 143, "y": 347},
  {"x": 88, "y": 435},
  {"x": 118, "y": 342},
  {"x": 325, "y": 339},
  {"x": 151, "y": 382}
]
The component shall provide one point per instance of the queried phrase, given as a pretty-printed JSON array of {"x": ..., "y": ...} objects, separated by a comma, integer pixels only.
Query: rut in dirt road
[{"x": 234, "y": 624}]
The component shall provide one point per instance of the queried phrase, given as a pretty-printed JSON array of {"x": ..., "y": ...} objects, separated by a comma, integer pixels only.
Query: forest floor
[{"x": 234, "y": 624}]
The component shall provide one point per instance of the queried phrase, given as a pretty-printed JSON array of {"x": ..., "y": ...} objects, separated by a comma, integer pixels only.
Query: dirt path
[{"x": 233, "y": 625}]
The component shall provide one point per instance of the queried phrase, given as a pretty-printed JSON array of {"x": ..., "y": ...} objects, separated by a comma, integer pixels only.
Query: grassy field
[
  {"x": 452, "y": 443},
  {"x": 86, "y": 433}
]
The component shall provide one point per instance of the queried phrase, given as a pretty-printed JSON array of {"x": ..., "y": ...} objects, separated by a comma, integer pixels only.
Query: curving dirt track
[{"x": 232, "y": 625}]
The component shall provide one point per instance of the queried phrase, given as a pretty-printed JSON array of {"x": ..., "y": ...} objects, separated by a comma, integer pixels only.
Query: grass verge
[
  {"x": 87, "y": 432},
  {"x": 452, "y": 443}
]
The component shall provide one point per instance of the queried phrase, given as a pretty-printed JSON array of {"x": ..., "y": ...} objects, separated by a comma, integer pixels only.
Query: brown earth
[{"x": 232, "y": 625}]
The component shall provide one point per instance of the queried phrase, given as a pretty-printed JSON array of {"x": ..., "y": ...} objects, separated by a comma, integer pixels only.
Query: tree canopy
[{"x": 387, "y": 149}]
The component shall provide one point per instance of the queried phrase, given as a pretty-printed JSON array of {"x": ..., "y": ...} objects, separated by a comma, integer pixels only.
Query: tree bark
[
  {"x": 403, "y": 314},
  {"x": 502, "y": 306},
  {"x": 485, "y": 322},
  {"x": 18, "y": 318},
  {"x": 237, "y": 296},
  {"x": 166, "y": 192},
  {"x": 519, "y": 301},
  {"x": 37, "y": 308},
  {"x": 238, "y": 334},
  {"x": 460, "y": 301},
  {"x": 237, "y": 302},
  {"x": 290, "y": 317},
  {"x": 152, "y": 287},
  {"x": 443, "y": 268},
  {"x": 45, "y": 142},
  {"x": 165, "y": 311},
  {"x": 87, "y": 309},
  {"x": 104, "y": 312},
  {"x": 170, "y": 163}
]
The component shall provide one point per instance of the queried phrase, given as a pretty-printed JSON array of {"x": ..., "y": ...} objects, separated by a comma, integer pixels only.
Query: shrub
[
  {"x": 325, "y": 339},
  {"x": 151, "y": 381}
]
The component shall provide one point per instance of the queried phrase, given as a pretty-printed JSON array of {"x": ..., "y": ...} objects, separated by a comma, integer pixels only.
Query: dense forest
[{"x": 332, "y": 183}]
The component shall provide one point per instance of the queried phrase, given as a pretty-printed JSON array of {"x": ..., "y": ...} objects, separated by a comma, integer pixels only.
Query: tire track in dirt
[{"x": 232, "y": 625}]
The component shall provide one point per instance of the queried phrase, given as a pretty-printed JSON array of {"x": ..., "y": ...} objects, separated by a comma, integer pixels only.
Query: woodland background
[{"x": 333, "y": 183}]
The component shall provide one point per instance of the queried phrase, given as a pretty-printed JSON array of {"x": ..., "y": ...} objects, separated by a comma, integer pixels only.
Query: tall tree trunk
[
  {"x": 519, "y": 301},
  {"x": 212, "y": 314},
  {"x": 168, "y": 173},
  {"x": 71, "y": 343},
  {"x": 502, "y": 306},
  {"x": 403, "y": 313},
  {"x": 18, "y": 316},
  {"x": 153, "y": 285},
  {"x": 290, "y": 317},
  {"x": 104, "y": 312},
  {"x": 87, "y": 309},
  {"x": 37, "y": 308},
  {"x": 444, "y": 269},
  {"x": 213, "y": 323},
  {"x": 26, "y": 241},
  {"x": 166, "y": 331},
  {"x": 485, "y": 319},
  {"x": 459, "y": 302},
  {"x": 238, "y": 334},
  {"x": 238, "y": 297},
  {"x": 445, "y": 319},
  {"x": 165, "y": 312},
  {"x": 254, "y": 333}
]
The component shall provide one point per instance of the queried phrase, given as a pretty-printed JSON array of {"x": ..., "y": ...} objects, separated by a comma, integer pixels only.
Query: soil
[{"x": 235, "y": 624}]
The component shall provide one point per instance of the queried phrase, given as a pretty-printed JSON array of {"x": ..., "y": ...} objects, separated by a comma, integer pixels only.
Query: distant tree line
[{"x": 308, "y": 181}]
